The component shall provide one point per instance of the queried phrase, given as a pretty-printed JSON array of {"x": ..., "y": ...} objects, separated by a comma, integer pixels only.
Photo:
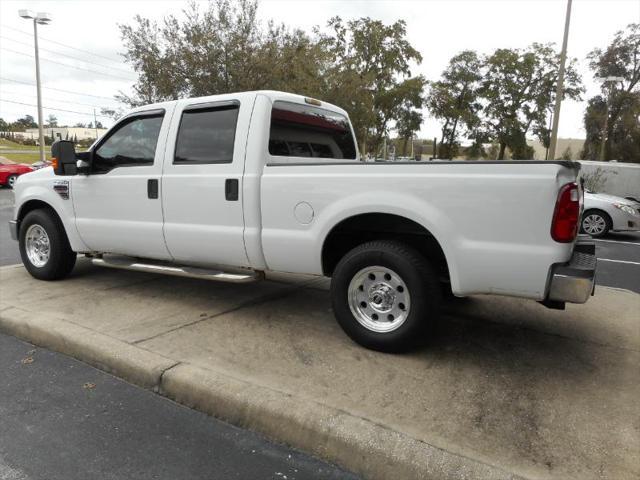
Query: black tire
[
  {"x": 419, "y": 279},
  {"x": 11, "y": 180},
  {"x": 592, "y": 214},
  {"x": 61, "y": 258}
]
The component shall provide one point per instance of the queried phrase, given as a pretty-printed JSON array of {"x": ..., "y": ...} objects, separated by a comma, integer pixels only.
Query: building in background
[
  {"x": 64, "y": 133},
  {"x": 567, "y": 148}
]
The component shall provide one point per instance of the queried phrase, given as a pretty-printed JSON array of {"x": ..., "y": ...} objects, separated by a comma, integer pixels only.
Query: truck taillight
[{"x": 566, "y": 216}]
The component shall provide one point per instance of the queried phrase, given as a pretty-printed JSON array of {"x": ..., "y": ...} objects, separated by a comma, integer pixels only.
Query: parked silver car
[{"x": 604, "y": 213}]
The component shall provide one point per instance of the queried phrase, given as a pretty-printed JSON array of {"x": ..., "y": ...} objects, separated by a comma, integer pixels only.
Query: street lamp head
[
  {"x": 28, "y": 14},
  {"x": 43, "y": 18}
]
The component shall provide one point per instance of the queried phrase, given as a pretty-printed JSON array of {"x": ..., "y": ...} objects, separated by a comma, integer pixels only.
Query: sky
[{"x": 82, "y": 67}]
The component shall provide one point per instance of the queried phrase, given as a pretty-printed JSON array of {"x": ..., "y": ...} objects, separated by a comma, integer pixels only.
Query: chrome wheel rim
[
  {"x": 37, "y": 245},
  {"x": 12, "y": 180},
  {"x": 379, "y": 299},
  {"x": 594, "y": 224}
]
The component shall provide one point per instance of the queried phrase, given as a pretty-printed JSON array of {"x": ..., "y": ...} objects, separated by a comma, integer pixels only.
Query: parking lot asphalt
[
  {"x": 619, "y": 253},
  {"x": 62, "y": 419}
]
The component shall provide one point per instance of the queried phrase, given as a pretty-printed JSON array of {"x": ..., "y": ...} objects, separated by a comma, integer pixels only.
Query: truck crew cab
[{"x": 227, "y": 187}]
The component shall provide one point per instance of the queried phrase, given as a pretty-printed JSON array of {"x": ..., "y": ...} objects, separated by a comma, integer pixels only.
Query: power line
[
  {"x": 56, "y": 109},
  {"x": 40, "y": 37},
  {"x": 58, "y": 89},
  {"x": 53, "y": 99},
  {"x": 67, "y": 65},
  {"x": 69, "y": 56}
]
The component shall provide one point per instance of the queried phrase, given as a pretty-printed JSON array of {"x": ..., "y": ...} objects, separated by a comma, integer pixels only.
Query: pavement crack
[
  {"x": 249, "y": 303},
  {"x": 161, "y": 376}
]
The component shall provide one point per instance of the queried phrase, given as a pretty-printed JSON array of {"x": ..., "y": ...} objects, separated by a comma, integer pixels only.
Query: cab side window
[
  {"x": 207, "y": 134},
  {"x": 132, "y": 144}
]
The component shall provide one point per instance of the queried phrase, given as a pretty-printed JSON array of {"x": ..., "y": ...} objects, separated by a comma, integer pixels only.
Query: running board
[{"x": 179, "y": 271}]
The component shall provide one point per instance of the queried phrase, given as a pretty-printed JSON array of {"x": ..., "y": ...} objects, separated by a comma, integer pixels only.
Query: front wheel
[
  {"x": 385, "y": 296},
  {"x": 44, "y": 246},
  {"x": 596, "y": 223}
]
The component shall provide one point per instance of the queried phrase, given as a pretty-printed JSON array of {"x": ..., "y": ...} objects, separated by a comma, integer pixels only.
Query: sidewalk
[{"x": 508, "y": 388}]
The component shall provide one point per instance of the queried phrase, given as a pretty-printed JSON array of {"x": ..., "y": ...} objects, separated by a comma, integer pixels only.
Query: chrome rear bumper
[{"x": 574, "y": 281}]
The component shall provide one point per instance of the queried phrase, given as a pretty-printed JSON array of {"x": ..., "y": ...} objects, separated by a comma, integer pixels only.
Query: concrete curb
[
  {"x": 358, "y": 444},
  {"x": 133, "y": 364},
  {"x": 355, "y": 443}
]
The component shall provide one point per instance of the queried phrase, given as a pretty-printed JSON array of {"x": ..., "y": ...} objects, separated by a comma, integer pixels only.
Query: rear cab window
[{"x": 310, "y": 133}]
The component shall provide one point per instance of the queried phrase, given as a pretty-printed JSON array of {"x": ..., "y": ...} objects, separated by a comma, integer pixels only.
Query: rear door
[{"x": 202, "y": 181}]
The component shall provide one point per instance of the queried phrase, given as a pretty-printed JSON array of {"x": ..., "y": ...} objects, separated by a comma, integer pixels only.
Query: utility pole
[
  {"x": 95, "y": 122},
  {"x": 41, "y": 18},
  {"x": 560, "y": 86}
]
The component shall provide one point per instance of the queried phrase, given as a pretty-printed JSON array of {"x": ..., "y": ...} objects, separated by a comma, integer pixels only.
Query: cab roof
[{"x": 273, "y": 96}]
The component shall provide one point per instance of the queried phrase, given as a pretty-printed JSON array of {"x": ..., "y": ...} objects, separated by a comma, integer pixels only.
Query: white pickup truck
[{"x": 228, "y": 187}]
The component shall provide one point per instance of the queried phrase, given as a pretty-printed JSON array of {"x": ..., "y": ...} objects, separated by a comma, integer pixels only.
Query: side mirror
[{"x": 63, "y": 157}]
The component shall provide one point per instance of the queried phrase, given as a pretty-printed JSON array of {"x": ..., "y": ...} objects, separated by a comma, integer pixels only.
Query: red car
[{"x": 10, "y": 172}]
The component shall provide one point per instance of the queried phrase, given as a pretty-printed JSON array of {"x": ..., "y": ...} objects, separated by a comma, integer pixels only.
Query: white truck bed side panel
[{"x": 491, "y": 220}]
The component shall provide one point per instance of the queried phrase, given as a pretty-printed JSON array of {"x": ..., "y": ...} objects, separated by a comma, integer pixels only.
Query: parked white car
[
  {"x": 230, "y": 186},
  {"x": 604, "y": 213}
]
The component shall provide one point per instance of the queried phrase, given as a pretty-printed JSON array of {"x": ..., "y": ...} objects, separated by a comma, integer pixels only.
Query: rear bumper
[
  {"x": 574, "y": 281},
  {"x": 13, "y": 229}
]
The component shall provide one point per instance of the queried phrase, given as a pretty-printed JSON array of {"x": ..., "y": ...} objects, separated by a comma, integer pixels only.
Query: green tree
[
  {"x": 454, "y": 99},
  {"x": 518, "y": 91},
  {"x": 114, "y": 113},
  {"x": 620, "y": 102},
  {"x": 373, "y": 59},
  {"x": 23, "y": 123},
  {"x": 52, "y": 121},
  {"x": 567, "y": 154},
  {"x": 220, "y": 49},
  {"x": 361, "y": 65},
  {"x": 4, "y": 126},
  {"x": 408, "y": 122}
]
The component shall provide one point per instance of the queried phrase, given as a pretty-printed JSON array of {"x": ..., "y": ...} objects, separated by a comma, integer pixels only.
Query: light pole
[
  {"x": 605, "y": 128},
  {"x": 41, "y": 18},
  {"x": 560, "y": 85}
]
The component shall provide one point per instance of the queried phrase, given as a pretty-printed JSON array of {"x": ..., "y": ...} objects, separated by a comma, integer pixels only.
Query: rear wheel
[
  {"x": 596, "y": 223},
  {"x": 11, "y": 180},
  {"x": 385, "y": 296},
  {"x": 44, "y": 246}
]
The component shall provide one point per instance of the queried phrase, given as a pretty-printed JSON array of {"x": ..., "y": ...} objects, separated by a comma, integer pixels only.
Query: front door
[
  {"x": 202, "y": 182},
  {"x": 118, "y": 205}
]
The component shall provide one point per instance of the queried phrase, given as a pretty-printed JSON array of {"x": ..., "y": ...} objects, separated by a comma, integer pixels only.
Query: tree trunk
[
  {"x": 404, "y": 146},
  {"x": 503, "y": 147},
  {"x": 452, "y": 138},
  {"x": 444, "y": 129}
]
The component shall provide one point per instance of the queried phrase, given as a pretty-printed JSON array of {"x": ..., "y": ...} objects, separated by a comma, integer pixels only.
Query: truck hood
[{"x": 36, "y": 174}]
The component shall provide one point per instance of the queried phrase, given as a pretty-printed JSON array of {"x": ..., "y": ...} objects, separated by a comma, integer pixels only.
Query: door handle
[
  {"x": 152, "y": 188},
  {"x": 231, "y": 189}
]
